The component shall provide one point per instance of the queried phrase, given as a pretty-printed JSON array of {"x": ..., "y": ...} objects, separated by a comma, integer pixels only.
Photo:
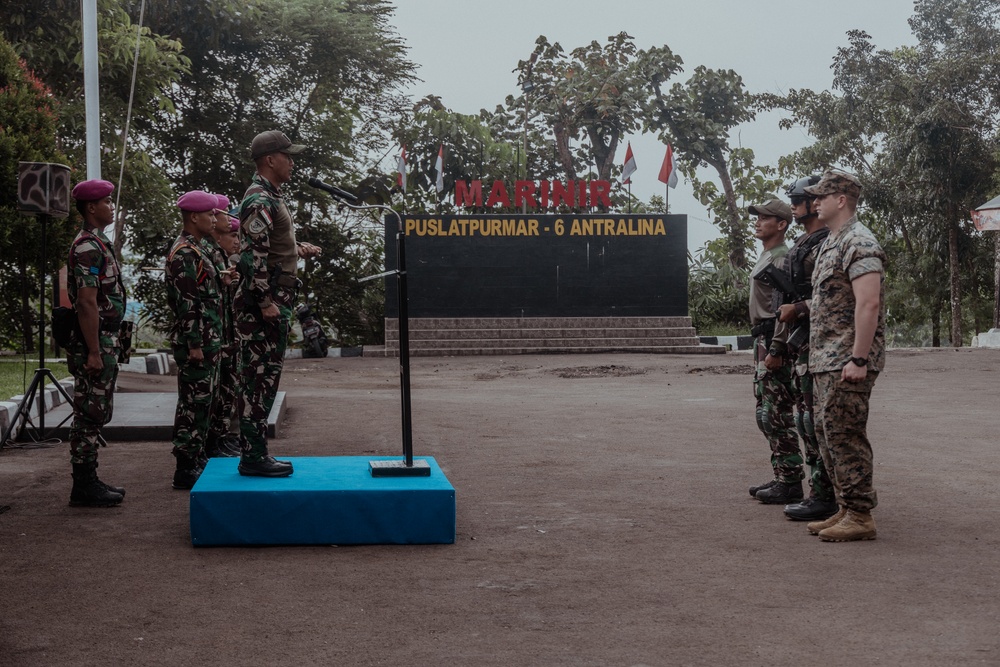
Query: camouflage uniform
[
  {"x": 225, "y": 403},
  {"x": 842, "y": 407},
  {"x": 773, "y": 389},
  {"x": 267, "y": 239},
  {"x": 802, "y": 382},
  {"x": 93, "y": 264},
  {"x": 193, "y": 296}
]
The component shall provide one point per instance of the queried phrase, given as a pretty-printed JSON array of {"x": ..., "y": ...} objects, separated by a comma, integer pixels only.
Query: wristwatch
[{"x": 860, "y": 362}]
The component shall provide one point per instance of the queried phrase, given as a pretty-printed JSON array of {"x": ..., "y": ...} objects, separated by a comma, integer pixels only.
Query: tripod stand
[{"x": 41, "y": 373}]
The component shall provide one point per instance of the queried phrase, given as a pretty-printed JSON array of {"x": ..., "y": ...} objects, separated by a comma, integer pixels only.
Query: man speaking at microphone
[{"x": 265, "y": 300}]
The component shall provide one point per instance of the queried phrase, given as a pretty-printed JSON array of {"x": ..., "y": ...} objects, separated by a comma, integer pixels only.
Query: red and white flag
[
  {"x": 668, "y": 170},
  {"x": 629, "y": 167},
  {"x": 439, "y": 166},
  {"x": 401, "y": 168}
]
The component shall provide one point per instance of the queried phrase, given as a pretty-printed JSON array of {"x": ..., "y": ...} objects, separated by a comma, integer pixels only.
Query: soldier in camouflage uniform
[
  {"x": 772, "y": 387},
  {"x": 268, "y": 289},
  {"x": 196, "y": 336},
  {"x": 98, "y": 296},
  {"x": 791, "y": 340},
  {"x": 220, "y": 441},
  {"x": 847, "y": 353}
]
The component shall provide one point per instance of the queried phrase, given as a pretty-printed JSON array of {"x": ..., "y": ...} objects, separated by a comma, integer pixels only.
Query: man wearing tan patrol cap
[
  {"x": 773, "y": 387},
  {"x": 266, "y": 296},
  {"x": 847, "y": 353}
]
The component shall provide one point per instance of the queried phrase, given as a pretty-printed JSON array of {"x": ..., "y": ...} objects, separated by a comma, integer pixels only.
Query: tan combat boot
[
  {"x": 854, "y": 526},
  {"x": 816, "y": 526}
]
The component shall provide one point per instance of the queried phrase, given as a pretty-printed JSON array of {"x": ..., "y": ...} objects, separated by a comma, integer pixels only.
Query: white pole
[{"x": 88, "y": 9}]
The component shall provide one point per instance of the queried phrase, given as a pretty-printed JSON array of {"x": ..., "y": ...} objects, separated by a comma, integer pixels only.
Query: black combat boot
[
  {"x": 120, "y": 490},
  {"x": 761, "y": 487},
  {"x": 266, "y": 467},
  {"x": 216, "y": 447},
  {"x": 88, "y": 491},
  {"x": 811, "y": 509},
  {"x": 781, "y": 493},
  {"x": 187, "y": 473}
]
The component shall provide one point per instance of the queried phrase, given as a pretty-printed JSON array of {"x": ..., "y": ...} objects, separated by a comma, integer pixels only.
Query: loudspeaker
[{"x": 43, "y": 187}]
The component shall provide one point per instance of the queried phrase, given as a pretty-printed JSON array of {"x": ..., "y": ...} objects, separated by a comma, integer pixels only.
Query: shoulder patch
[{"x": 256, "y": 226}]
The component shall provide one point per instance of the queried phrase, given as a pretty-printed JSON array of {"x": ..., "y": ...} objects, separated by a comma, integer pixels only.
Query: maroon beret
[
  {"x": 197, "y": 201},
  {"x": 234, "y": 224},
  {"x": 223, "y": 202},
  {"x": 92, "y": 190}
]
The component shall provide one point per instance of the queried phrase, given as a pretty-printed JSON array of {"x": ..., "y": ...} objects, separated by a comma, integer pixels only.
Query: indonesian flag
[
  {"x": 668, "y": 170},
  {"x": 629, "y": 168},
  {"x": 439, "y": 166},
  {"x": 401, "y": 168}
]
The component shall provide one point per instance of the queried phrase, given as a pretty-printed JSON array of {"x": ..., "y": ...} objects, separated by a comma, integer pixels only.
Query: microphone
[{"x": 342, "y": 195}]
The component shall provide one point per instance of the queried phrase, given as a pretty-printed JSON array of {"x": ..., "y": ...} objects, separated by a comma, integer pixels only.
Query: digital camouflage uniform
[
  {"x": 773, "y": 389},
  {"x": 267, "y": 239},
  {"x": 225, "y": 403},
  {"x": 193, "y": 296},
  {"x": 842, "y": 407},
  {"x": 93, "y": 264},
  {"x": 802, "y": 384}
]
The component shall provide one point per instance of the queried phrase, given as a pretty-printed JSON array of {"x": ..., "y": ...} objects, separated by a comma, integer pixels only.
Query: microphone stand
[{"x": 407, "y": 467}]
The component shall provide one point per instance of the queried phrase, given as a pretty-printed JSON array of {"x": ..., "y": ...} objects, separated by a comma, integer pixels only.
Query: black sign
[{"x": 542, "y": 265}]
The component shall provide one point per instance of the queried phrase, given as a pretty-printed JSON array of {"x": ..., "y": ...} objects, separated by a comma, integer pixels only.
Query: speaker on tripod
[{"x": 42, "y": 191}]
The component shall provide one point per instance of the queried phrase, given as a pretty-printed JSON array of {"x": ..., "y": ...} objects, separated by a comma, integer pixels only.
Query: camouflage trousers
[
  {"x": 262, "y": 356},
  {"x": 805, "y": 424},
  {"x": 225, "y": 404},
  {"x": 197, "y": 384},
  {"x": 775, "y": 414},
  {"x": 841, "y": 429},
  {"x": 93, "y": 399}
]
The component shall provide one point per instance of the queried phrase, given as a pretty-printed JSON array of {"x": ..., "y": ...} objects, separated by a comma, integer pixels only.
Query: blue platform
[{"x": 327, "y": 500}]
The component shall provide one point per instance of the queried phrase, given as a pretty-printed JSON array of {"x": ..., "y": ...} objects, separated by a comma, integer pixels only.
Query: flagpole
[{"x": 630, "y": 196}]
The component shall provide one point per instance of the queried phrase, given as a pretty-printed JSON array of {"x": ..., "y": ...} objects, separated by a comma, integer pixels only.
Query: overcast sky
[{"x": 466, "y": 52}]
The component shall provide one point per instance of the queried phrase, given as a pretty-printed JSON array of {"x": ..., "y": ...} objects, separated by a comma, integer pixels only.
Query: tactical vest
[{"x": 797, "y": 262}]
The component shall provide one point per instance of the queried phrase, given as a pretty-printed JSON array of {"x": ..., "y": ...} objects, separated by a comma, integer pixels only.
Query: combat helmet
[{"x": 796, "y": 193}]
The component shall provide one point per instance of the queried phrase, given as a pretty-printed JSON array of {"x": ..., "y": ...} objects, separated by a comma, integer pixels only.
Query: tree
[
  {"x": 696, "y": 118},
  {"x": 593, "y": 93},
  {"x": 28, "y": 122},
  {"x": 919, "y": 126}
]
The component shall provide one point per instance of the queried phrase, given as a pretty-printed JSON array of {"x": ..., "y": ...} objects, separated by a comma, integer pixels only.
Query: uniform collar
[{"x": 266, "y": 184}]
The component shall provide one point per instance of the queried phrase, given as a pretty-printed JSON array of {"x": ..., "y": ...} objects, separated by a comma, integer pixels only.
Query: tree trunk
[
  {"x": 27, "y": 325},
  {"x": 936, "y": 324},
  {"x": 956, "y": 285},
  {"x": 734, "y": 225}
]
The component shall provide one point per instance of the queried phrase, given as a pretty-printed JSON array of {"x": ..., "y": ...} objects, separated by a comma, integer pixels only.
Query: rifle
[{"x": 777, "y": 279}]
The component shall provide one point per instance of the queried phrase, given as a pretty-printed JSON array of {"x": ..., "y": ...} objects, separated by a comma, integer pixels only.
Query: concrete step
[
  {"x": 507, "y": 343},
  {"x": 381, "y": 351},
  {"x": 440, "y": 323},
  {"x": 538, "y": 333}
]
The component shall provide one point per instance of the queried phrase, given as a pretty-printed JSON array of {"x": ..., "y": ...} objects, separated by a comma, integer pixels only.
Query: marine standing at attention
[
  {"x": 98, "y": 296},
  {"x": 196, "y": 335},
  {"x": 266, "y": 296},
  {"x": 220, "y": 442},
  {"x": 847, "y": 353},
  {"x": 772, "y": 388},
  {"x": 791, "y": 341}
]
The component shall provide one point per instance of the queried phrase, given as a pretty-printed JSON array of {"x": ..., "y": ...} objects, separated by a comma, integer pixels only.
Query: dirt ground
[{"x": 603, "y": 519}]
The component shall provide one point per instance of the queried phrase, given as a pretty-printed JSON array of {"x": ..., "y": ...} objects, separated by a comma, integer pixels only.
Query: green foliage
[
  {"x": 696, "y": 118},
  {"x": 919, "y": 126},
  {"x": 28, "y": 122},
  {"x": 718, "y": 292}
]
